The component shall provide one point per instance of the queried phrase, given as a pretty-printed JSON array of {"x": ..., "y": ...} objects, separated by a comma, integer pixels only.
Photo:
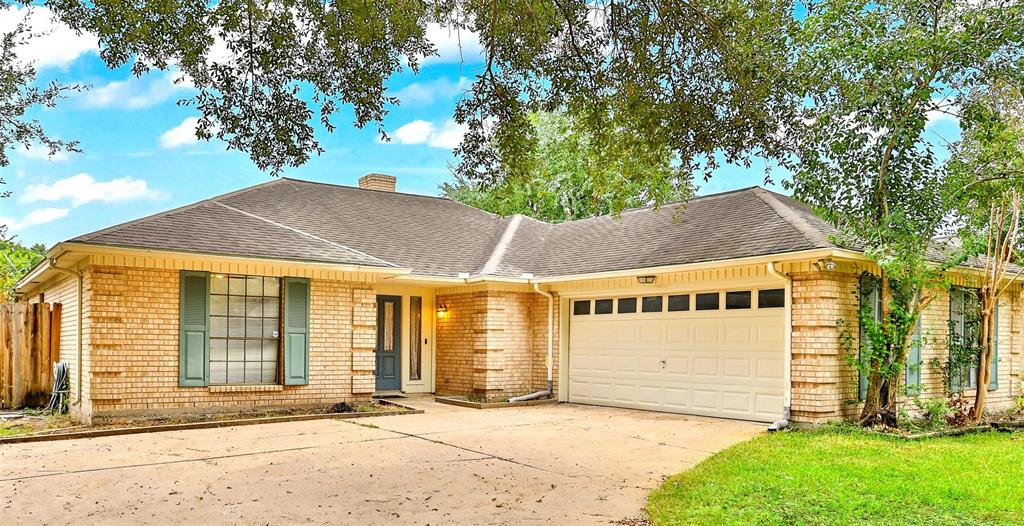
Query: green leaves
[
  {"x": 265, "y": 70},
  {"x": 16, "y": 260},
  {"x": 18, "y": 94},
  {"x": 572, "y": 176}
]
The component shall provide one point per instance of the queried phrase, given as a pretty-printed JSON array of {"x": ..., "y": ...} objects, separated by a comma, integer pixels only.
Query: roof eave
[
  {"x": 67, "y": 247},
  {"x": 703, "y": 265}
]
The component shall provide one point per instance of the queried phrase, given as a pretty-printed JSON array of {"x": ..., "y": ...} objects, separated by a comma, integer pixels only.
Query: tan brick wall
[
  {"x": 132, "y": 347},
  {"x": 935, "y": 345},
  {"x": 825, "y": 383},
  {"x": 822, "y": 378},
  {"x": 492, "y": 342}
]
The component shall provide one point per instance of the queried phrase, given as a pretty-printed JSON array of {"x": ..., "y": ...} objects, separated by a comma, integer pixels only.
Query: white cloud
[
  {"x": 36, "y": 217},
  {"x": 41, "y": 152},
  {"x": 448, "y": 135},
  {"x": 425, "y": 93},
  {"x": 454, "y": 46},
  {"x": 134, "y": 93},
  {"x": 54, "y": 44},
  {"x": 416, "y": 132},
  {"x": 181, "y": 135},
  {"x": 83, "y": 188}
]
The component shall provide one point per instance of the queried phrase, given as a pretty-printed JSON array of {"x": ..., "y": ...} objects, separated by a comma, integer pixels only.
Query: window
[
  {"x": 679, "y": 302},
  {"x": 415, "y": 337},
  {"x": 737, "y": 299},
  {"x": 580, "y": 307},
  {"x": 771, "y": 298},
  {"x": 964, "y": 335},
  {"x": 871, "y": 303},
  {"x": 707, "y": 301},
  {"x": 652, "y": 304},
  {"x": 603, "y": 307},
  {"x": 244, "y": 329},
  {"x": 627, "y": 305}
]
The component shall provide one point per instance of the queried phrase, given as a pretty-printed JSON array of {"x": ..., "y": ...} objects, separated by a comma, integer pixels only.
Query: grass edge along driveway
[{"x": 835, "y": 477}]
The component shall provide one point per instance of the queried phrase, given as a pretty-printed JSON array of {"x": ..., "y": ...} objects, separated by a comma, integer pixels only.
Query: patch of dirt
[
  {"x": 31, "y": 421},
  {"x": 27, "y": 421},
  {"x": 339, "y": 408}
]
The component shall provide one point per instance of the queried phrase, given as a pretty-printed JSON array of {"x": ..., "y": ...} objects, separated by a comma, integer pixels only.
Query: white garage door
[{"x": 715, "y": 354}]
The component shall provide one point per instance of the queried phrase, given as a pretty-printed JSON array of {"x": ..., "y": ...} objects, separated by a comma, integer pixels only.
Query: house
[{"x": 293, "y": 293}]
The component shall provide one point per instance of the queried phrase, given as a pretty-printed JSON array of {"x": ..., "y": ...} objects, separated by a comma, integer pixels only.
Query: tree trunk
[
  {"x": 873, "y": 400},
  {"x": 984, "y": 367}
]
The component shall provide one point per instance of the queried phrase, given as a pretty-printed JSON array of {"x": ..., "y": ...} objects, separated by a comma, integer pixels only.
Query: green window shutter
[
  {"x": 296, "y": 331},
  {"x": 871, "y": 296},
  {"x": 956, "y": 328},
  {"x": 194, "y": 329},
  {"x": 993, "y": 383},
  {"x": 913, "y": 367}
]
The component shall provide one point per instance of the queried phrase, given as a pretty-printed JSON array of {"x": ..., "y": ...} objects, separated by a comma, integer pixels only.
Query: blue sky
[{"x": 140, "y": 155}]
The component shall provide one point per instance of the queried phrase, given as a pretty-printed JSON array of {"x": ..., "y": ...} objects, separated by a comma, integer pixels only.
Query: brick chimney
[{"x": 381, "y": 182}]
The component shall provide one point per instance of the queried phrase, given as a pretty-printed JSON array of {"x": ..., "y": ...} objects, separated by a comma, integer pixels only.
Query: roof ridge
[
  {"x": 811, "y": 234},
  {"x": 91, "y": 235},
  {"x": 300, "y": 232},
  {"x": 501, "y": 247}
]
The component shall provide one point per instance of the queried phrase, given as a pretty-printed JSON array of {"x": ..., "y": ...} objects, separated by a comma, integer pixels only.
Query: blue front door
[{"x": 389, "y": 344}]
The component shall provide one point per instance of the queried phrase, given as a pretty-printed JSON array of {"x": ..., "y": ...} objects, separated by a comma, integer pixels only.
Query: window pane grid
[{"x": 244, "y": 329}]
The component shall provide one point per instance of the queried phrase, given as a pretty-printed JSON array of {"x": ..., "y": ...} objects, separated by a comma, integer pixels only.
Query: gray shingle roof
[{"x": 308, "y": 221}]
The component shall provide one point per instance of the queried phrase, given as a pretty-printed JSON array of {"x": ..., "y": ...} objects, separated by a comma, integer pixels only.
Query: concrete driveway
[{"x": 560, "y": 464}]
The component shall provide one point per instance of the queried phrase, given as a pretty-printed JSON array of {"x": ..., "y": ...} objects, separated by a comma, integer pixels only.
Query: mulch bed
[{"x": 128, "y": 426}]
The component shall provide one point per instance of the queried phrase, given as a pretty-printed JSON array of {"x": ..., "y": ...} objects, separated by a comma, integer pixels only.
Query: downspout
[
  {"x": 78, "y": 316},
  {"x": 551, "y": 343},
  {"x": 788, "y": 358}
]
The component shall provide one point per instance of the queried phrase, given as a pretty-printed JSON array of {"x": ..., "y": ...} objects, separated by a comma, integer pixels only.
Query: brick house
[{"x": 294, "y": 293}]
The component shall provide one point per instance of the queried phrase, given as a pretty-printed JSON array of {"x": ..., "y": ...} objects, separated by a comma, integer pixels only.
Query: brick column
[
  {"x": 823, "y": 381},
  {"x": 364, "y": 340}
]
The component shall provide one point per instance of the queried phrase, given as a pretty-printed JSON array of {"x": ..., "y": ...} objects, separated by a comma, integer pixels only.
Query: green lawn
[{"x": 841, "y": 477}]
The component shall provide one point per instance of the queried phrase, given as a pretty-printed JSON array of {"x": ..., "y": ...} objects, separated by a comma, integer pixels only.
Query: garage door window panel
[
  {"x": 737, "y": 300},
  {"x": 603, "y": 307},
  {"x": 627, "y": 305},
  {"x": 708, "y": 301},
  {"x": 652, "y": 304},
  {"x": 771, "y": 298},
  {"x": 581, "y": 308},
  {"x": 679, "y": 302}
]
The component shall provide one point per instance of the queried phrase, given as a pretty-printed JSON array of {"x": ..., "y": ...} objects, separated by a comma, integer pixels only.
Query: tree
[
  {"x": 19, "y": 94},
  {"x": 564, "y": 178},
  {"x": 691, "y": 80},
  {"x": 15, "y": 260},
  {"x": 869, "y": 74},
  {"x": 987, "y": 168}
]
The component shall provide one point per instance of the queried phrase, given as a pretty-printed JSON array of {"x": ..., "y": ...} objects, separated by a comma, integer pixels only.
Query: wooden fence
[{"x": 29, "y": 346}]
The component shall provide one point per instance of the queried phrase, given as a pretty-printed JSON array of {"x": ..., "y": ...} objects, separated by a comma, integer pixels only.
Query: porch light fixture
[
  {"x": 442, "y": 310},
  {"x": 645, "y": 280},
  {"x": 827, "y": 264}
]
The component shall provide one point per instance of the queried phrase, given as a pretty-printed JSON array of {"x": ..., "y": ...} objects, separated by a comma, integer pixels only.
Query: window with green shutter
[
  {"x": 233, "y": 330},
  {"x": 912, "y": 369},
  {"x": 194, "y": 329},
  {"x": 964, "y": 334},
  {"x": 870, "y": 300},
  {"x": 296, "y": 331}
]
